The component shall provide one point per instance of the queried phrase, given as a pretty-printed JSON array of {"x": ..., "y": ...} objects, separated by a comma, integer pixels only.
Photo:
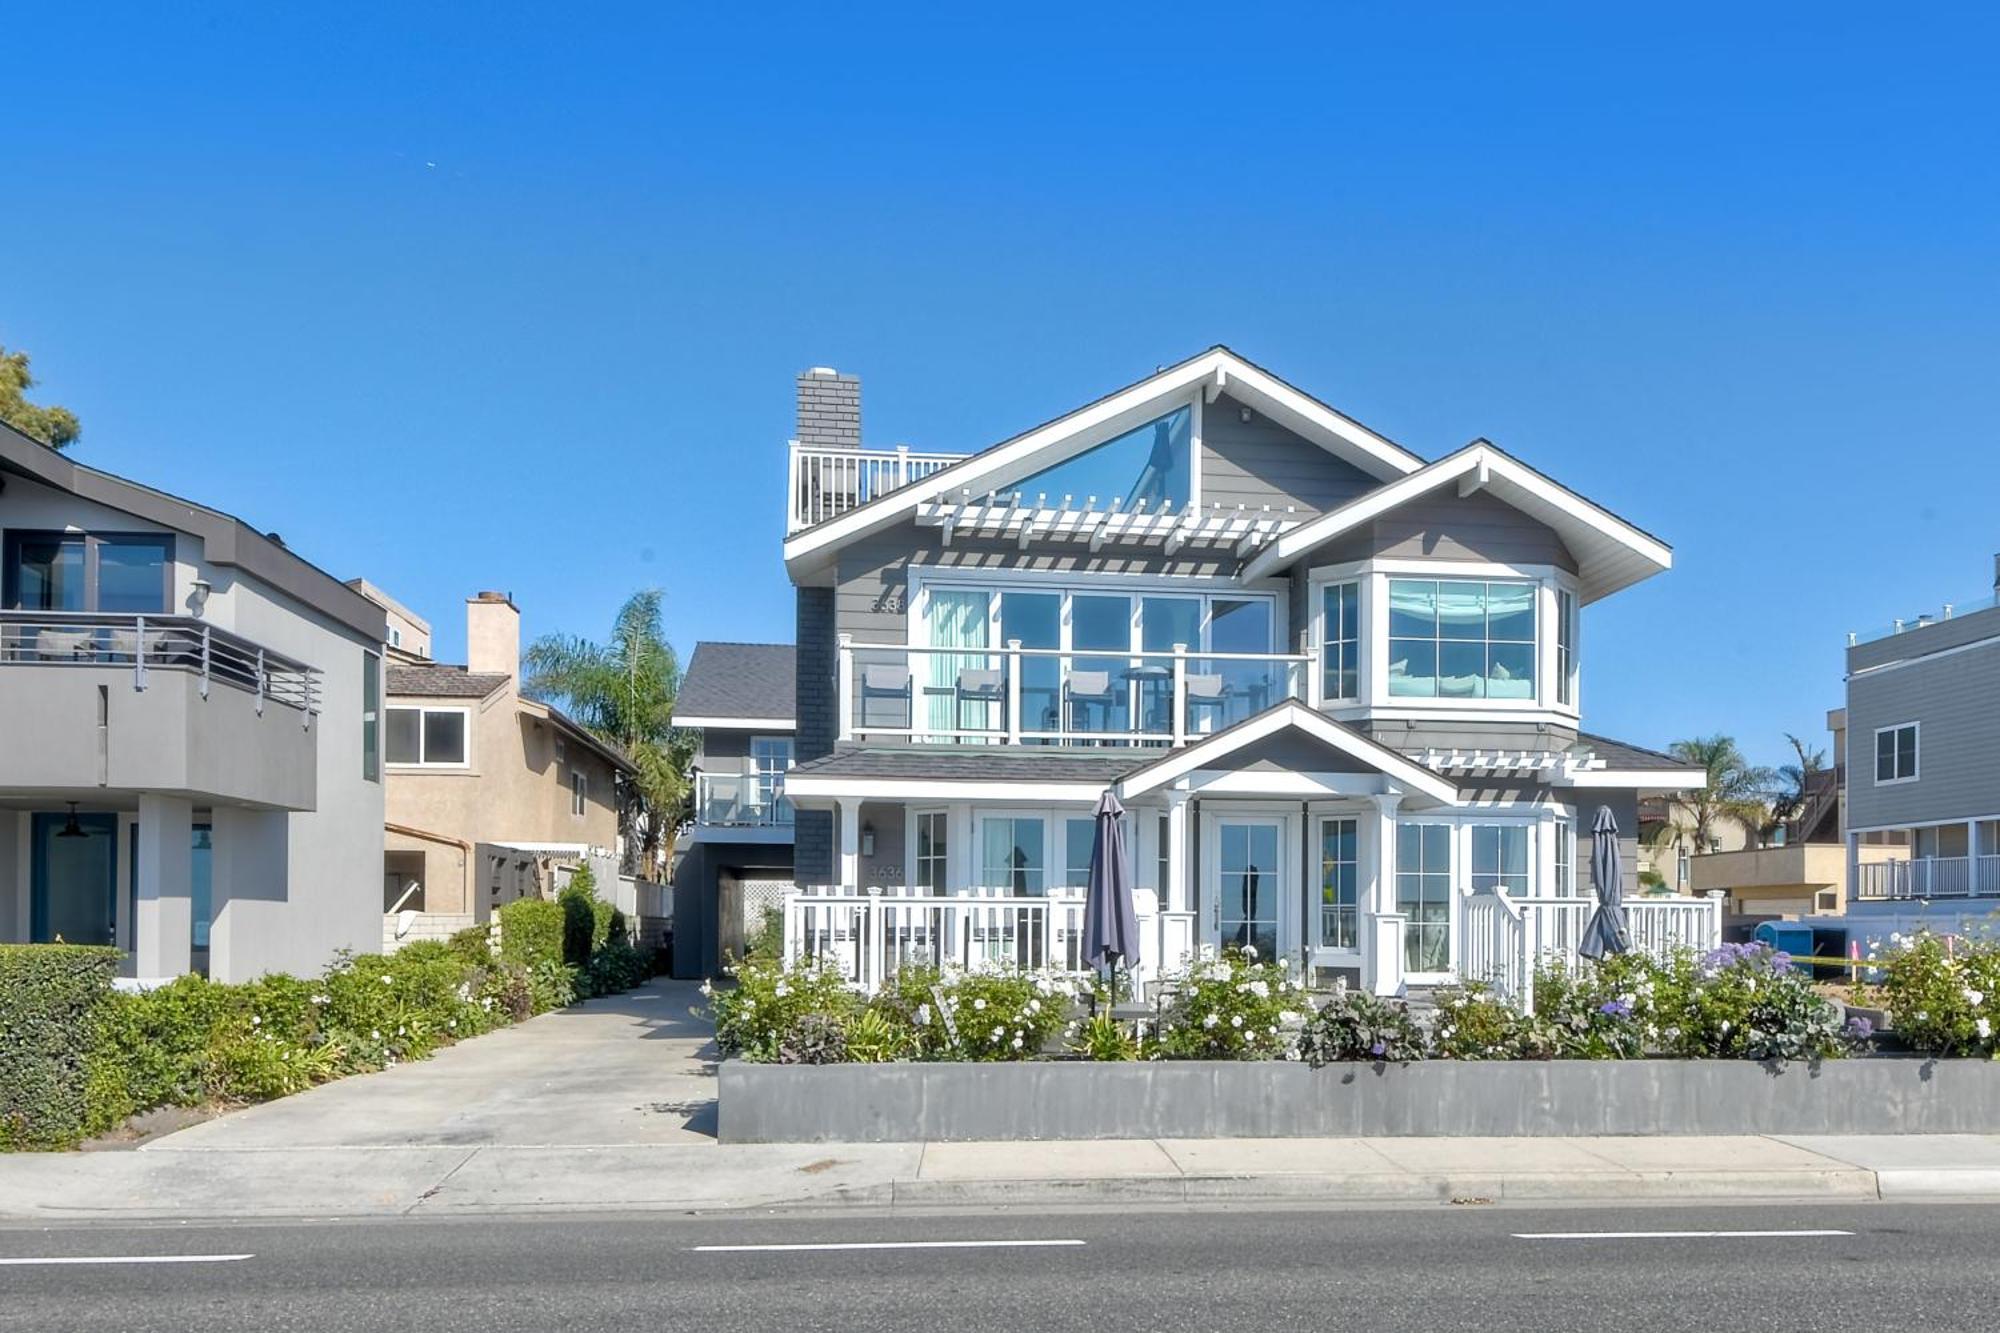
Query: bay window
[{"x": 1461, "y": 640}]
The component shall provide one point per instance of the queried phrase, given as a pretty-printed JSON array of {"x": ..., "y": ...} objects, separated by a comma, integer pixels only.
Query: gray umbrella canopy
[
  {"x": 1110, "y": 923},
  {"x": 1604, "y": 934}
]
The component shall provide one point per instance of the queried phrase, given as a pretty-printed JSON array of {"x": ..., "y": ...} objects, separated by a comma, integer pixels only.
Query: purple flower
[
  {"x": 1378, "y": 1048},
  {"x": 1615, "y": 1009},
  {"x": 1859, "y": 1028}
]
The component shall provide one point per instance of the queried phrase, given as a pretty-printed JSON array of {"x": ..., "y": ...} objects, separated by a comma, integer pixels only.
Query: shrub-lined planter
[{"x": 889, "y": 1103}]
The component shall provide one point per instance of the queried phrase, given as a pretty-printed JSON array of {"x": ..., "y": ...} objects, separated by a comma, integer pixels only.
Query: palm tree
[
  {"x": 1798, "y": 780},
  {"x": 1735, "y": 792},
  {"x": 623, "y": 692}
]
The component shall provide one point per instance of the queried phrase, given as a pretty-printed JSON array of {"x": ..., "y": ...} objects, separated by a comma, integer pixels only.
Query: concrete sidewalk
[{"x": 200, "y": 1181}]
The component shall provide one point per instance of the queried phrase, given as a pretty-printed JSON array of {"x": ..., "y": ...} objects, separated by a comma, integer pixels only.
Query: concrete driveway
[{"x": 637, "y": 1068}]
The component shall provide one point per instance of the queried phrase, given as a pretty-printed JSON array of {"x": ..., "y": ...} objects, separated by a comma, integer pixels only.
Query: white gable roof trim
[
  {"x": 1611, "y": 554},
  {"x": 1291, "y": 715},
  {"x": 1210, "y": 374}
]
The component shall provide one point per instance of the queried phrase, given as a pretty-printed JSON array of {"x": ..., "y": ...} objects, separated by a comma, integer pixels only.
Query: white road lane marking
[
  {"x": 132, "y": 1259},
  {"x": 1670, "y": 1235},
  {"x": 886, "y": 1245}
]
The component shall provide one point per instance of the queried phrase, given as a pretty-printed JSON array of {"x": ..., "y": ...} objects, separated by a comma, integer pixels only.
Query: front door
[
  {"x": 74, "y": 879},
  {"x": 1247, "y": 883}
]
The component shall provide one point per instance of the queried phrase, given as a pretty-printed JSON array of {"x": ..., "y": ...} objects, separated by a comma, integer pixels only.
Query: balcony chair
[
  {"x": 64, "y": 645},
  {"x": 883, "y": 681},
  {"x": 1207, "y": 700},
  {"x": 1083, "y": 691},
  {"x": 978, "y": 685}
]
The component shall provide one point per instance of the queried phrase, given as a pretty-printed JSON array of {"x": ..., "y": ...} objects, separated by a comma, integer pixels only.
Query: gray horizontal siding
[
  {"x": 1443, "y": 734},
  {"x": 1957, "y": 701},
  {"x": 1448, "y": 526},
  {"x": 1258, "y": 462}
]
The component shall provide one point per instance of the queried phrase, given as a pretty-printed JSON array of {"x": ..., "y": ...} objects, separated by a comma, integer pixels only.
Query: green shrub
[
  {"x": 618, "y": 967},
  {"x": 553, "y": 984},
  {"x": 998, "y": 1015},
  {"x": 579, "y": 925},
  {"x": 1357, "y": 1026},
  {"x": 1102, "y": 1037},
  {"x": 474, "y": 945},
  {"x": 531, "y": 932},
  {"x": 777, "y": 1015},
  {"x": 1230, "y": 1008},
  {"x": 50, "y": 995},
  {"x": 767, "y": 941},
  {"x": 1943, "y": 992},
  {"x": 1471, "y": 1023}
]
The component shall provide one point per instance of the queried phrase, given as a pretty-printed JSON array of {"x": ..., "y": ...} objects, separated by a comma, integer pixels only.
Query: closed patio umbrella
[
  {"x": 1604, "y": 933},
  {"x": 1110, "y": 923}
]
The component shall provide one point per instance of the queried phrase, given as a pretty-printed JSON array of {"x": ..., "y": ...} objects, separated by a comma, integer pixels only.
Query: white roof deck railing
[
  {"x": 143, "y": 644},
  {"x": 826, "y": 483}
]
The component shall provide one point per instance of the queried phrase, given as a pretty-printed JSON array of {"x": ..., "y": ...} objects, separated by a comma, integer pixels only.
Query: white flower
[
  {"x": 998, "y": 1033},
  {"x": 979, "y": 1004},
  {"x": 1236, "y": 1020},
  {"x": 1210, "y": 1021},
  {"x": 1985, "y": 1026},
  {"x": 257, "y": 1020},
  {"x": 1288, "y": 1016},
  {"x": 923, "y": 1015},
  {"x": 1974, "y": 997},
  {"x": 1034, "y": 1006},
  {"x": 388, "y": 981},
  {"x": 781, "y": 990},
  {"x": 1250, "y": 952},
  {"x": 707, "y": 989},
  {"x": 1017, "y": 1043},
  {"x": 375, "y": 1034}
]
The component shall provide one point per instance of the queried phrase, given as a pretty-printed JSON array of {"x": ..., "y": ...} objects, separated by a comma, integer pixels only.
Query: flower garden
[{"x": 1738, "y": 1002}]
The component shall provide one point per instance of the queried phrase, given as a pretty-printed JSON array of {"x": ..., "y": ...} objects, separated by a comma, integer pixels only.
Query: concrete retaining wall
[{"x": 1192, "y": 1100}]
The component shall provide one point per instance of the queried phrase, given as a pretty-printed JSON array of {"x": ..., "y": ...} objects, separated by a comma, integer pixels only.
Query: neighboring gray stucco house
[
  {"x": 189, "y": 731},
  {"x": 1337, "y": 688},
  {"x": 735, "y": 858},
  {"x": 1923, "y": 770}
]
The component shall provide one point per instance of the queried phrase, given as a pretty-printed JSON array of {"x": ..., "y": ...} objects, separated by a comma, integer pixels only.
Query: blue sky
[{"x": 480, "y": 296}]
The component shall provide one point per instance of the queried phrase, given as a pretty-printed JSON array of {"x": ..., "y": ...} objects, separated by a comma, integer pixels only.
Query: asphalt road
[{"x": 1491, "y": 1269}]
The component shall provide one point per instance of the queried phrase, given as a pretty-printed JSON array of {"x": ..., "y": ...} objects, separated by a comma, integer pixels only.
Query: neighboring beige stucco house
[{"x": 489, "y": 793}]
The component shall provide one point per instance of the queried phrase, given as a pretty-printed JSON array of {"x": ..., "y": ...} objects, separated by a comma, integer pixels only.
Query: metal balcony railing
[
  {"x": 145, "y": 644},
  {"x": 826, "y": 483}
]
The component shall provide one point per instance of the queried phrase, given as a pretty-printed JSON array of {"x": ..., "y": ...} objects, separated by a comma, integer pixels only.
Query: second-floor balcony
[
  {"x": 1053, "y": 696},
  {"x": 740, "y": 801},
  {"x": 826, "y": 483},
  {"x": 155, "y": 703}
]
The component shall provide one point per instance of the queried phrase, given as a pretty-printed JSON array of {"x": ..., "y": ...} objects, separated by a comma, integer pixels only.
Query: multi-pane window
[
  {"x": 1339, "y": 884},
  {"x": 427, "y": 736},
  {"x": 1423, "y": 895},
  {"x": 1013, "y": 854},
  {"x": 1565, "y": 859},
  {"x": 1500, "y": 858},
  {"x": 1161, "y": 863},
  {"x": 1461, "y": 640},
  {"x": 770, "y": 757},
  {"x": 930, "y": 859},
  {"x": 1340, "y": 651},
  {"x": 579, "y": 792},
  {"x": 1079, "y": 835},
  {"x": 1565, "y": 646},
  {"x": 371, "y": 717},
  {"x": 1896, "y": 753}
]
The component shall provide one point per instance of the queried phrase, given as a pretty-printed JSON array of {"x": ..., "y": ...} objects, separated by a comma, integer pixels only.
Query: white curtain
[{"x": 957, "y": 620}]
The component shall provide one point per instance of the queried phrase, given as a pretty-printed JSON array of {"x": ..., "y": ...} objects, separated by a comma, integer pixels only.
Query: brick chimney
[
  {"x": 829, "y": 409},
  {"x": 492, "y": 634}
]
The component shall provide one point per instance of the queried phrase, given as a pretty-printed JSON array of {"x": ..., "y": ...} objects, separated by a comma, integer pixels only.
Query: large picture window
[
  {"x": 427, "y": 737},
  {"x": 1461, "y": 640},
  {"x": 111, "y": 573},
  {"x": 1423, "y": 895}
]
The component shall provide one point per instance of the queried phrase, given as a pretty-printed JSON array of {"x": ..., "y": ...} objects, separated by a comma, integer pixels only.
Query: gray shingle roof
[
  {"x": 1617, "y": 754},
  {"x": 443, "y": 682},
  {"x": 976, "y": 763},
  {"x": 755, "y": 680}
]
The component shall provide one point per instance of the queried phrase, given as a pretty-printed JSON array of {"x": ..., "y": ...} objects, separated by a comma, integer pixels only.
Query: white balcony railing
[
  {"x": 1049, "y": 696},
  {"x": 1505, "y": 940},
  {"x": 741, "y": 800},
  {"x": 868, "y": 936},
  {"x": 826, "y": 483},
  {"x": 145, "y": 644},
  {"x": 1929, "y": 877}
]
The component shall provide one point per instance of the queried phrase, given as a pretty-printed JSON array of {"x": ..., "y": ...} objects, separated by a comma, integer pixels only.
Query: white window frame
[
  {"x": 427, "y": 765},
  {"x": 579, "y": 793},
  {"x": 1375, "y": 701},
  {"x": 1319, "y": 948},
  {"x": 1322, "y": 640},
  {"x": 912, "y": 854},
  {"x": 1067, "y": 586},
  {"x": 1541, "y": 820},
  {"x": 1916, "y": 754}
]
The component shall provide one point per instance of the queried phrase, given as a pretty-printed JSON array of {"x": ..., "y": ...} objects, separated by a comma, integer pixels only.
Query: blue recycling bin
[{"x": 1792, "y": 937}]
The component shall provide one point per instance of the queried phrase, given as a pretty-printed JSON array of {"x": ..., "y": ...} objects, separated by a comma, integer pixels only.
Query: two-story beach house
[
  {"x": 190, "y": 732},
  {"x": 1923, "y": 775},
  {"x": 1337, "y": 688},
  {"x": 734, "y": 860}
]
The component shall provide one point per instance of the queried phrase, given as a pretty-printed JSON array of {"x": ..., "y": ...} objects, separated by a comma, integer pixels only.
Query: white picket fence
[
  {"x": 1505, "y": 939},
  {"x": 867, "y": 936}
]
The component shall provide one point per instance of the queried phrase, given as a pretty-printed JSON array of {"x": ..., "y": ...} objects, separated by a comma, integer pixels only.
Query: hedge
[
  {"x": 77, "y": 1058},
  {"x": 50, "y": 995}
]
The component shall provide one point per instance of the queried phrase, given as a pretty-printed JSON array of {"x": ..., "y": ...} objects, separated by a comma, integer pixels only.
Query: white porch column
[
  {"x": 1178, "y": 899},
  {"x": 961, "y": 858},
  {"x": 163, "y": 921},
  {"x": 1382, "y": 924},
  {"x": 848, "y": 825}
]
